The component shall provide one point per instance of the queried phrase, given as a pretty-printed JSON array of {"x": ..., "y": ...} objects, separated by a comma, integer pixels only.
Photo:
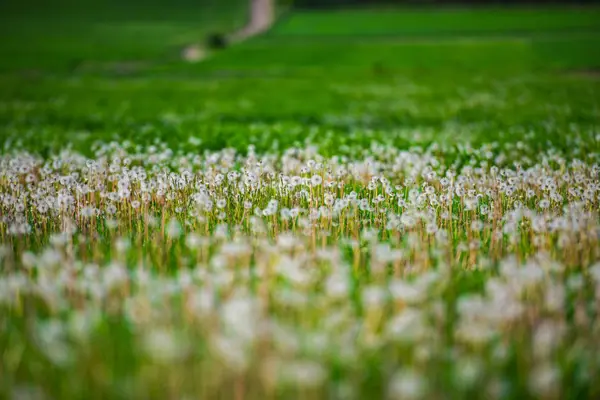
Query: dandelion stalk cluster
[{"x": 142, "y": 272}]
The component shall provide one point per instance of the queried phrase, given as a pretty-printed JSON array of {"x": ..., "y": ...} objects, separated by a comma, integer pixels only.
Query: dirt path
[{"x": 262, "y": 16}]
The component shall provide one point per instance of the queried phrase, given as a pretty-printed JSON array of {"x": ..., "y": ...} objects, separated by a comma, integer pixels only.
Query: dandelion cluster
[{"x": 408, "y": 274}]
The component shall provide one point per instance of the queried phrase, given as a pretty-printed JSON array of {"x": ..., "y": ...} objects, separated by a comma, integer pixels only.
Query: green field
[
  {"x": 362, "y": 203},
  {"x": 407, "y": 22},
  {"x": 79, "y": 82}
]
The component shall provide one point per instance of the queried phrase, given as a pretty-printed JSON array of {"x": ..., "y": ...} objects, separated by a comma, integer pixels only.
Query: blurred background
[
  {"x": 69, "y": 33},
  {"x": 274, "y": 72}
]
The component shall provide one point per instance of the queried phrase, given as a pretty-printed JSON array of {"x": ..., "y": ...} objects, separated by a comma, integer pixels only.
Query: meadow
[{"x": 382, "y": 203}]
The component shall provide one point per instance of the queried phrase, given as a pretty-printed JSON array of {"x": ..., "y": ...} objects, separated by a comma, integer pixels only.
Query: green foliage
[
  {"x": 437, "y": 23},
  {"x": 99, "y": 80}
]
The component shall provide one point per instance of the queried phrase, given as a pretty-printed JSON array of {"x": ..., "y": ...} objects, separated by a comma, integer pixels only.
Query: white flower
[
  {"x": 192, "y": 241},
  {"x": 373, "y": 296},
  {"x": 162, "y": 345},
  {"x": 174, "y": 229},
  {"x": 122, "y": 245},
  {"x": 233, "y": 353},
  {"x": 28, "y": 259},
  {"x": 337, "y": 287},
  {"x": 406, "y": 326},
  {"x": 286, "y": 241},
  {"x": 405, "y": 292},
  {"x": 114, "y": 274},
  {"x": 544, "y": 380},
  {"x": 468, "y": 373},
  {"x": 303, "y": 373},
  {"x": 407, "y": 384},
  {"x": 49, "y": 258}
]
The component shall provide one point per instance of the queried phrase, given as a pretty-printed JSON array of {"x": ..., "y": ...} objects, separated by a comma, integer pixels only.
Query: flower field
[
  {"x": 305, "y": 215},
  {"x": 229, "y": 274}
]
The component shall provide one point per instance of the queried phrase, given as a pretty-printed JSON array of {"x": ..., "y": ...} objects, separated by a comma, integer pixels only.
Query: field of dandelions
[
  {"x": 362, "y": 204},
  {"x": 395, "y": 273}
]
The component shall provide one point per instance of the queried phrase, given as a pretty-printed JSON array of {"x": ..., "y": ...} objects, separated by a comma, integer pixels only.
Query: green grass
[
  {"x": 65, "y": 37},
  {"x": 116, "y": 73},
  {"x": 280, "y": 111},
  {"x": 492, "y": 57},
  {"x": 433, "y": 22}
]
